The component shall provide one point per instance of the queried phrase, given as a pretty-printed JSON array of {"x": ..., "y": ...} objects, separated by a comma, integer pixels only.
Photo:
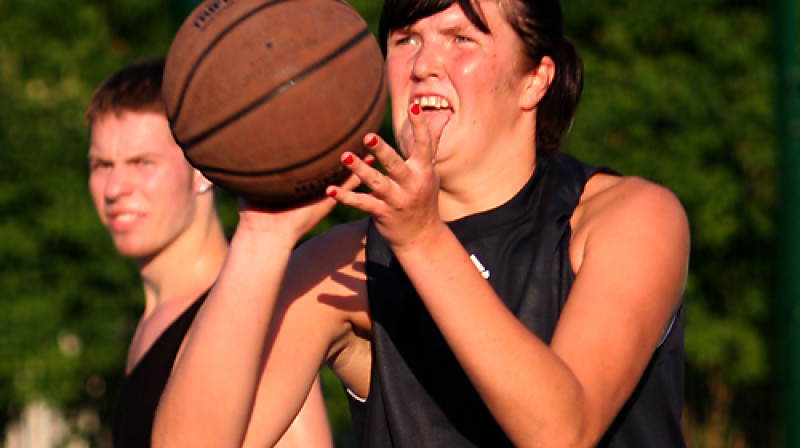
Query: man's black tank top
[
  {"x": 420, "y": 397},
  {"x": 141, "y": 389}
]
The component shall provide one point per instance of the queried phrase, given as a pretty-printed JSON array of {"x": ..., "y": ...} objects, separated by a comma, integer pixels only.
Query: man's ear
[
  {"x": 201, "y": 183},
  {"x": 537, "y": 81}
]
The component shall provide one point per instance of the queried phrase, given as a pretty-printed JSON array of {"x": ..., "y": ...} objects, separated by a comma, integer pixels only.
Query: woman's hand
[
  {"x": 404, "y": 201},
  {"x": 289, "y": 223}
]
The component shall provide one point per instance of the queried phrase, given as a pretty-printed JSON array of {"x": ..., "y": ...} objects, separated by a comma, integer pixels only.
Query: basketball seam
[
  {"x": 187, "y": 144},
  {"x": 207, "y": 50},
  {"x": 378, "y": 95}
]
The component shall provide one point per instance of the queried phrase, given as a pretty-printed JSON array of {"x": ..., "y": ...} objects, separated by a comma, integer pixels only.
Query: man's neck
[{"x": 184, "y": 269}]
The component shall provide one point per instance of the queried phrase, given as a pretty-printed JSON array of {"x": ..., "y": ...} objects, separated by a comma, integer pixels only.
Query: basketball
[{"x": 265, "y": 95}]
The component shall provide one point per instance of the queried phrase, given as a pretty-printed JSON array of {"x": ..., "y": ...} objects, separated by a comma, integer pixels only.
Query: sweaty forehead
[
  {"x": 398, "y": 14},
  {"x": 132, "y": 135}
]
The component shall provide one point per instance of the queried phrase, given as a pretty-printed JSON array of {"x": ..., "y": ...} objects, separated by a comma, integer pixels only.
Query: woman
[{"x": 499, "y": 294}]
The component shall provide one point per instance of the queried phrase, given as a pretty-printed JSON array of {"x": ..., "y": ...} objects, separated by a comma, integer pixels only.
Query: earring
[{"x": 204, "y": 188}]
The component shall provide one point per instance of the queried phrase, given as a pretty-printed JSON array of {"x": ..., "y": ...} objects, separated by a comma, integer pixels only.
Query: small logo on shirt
[{"x": 484, "y": 272}]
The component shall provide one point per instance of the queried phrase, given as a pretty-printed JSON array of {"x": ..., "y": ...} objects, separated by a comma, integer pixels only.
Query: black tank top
[
  {"x": 140, "y": 390},
  {"x": 420, "y": 397}
]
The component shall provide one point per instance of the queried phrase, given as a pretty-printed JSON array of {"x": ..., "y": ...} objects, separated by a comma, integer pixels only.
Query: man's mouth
[
  {"x": 124, "y": 217},
  {"x": 122, "y": 222}
]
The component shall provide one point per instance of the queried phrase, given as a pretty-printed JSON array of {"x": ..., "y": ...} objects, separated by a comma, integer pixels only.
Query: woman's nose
[{"x": 427, "y": 62}]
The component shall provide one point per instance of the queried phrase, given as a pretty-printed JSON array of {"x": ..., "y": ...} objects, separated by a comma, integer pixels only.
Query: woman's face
[{"x": 467, "y": 82}]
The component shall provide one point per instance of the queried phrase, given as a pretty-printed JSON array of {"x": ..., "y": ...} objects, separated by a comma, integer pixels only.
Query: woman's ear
[{"x": 536, "y": 83}]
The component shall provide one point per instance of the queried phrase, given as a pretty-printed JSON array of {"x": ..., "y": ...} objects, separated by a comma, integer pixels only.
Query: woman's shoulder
[
  {"x": 341, "y": 236},
  {"x": 607, "y": 195},
  {"x": 627, "y": 208},
  {"x": 327, "y": 266},
  {"x": 339, "y": 248}
]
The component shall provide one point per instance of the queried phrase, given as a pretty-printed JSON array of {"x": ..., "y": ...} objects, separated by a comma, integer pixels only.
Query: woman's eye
[{"x": 402, "y": 39}]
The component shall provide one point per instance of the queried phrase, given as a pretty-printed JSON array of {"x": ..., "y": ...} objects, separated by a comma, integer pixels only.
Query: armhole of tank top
[
  {"x": 668, "y": 330},
  {"x": 354, "y": 396}
]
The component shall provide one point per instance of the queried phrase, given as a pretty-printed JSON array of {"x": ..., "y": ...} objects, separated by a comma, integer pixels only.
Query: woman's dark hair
[{"x": 539, "y": 24}]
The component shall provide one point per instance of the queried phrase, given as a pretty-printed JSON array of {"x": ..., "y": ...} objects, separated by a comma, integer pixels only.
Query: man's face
[{"x": 140, "y": 182}]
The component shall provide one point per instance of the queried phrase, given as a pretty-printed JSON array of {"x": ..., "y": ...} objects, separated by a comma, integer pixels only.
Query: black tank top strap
[{"x": 140, "y": 390}]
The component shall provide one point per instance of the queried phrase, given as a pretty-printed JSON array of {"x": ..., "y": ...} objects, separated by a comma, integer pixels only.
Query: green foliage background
[{"x": 678, "y": 92}]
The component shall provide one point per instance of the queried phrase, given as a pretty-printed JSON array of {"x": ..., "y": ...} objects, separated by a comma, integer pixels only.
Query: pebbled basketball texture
[{"x": 264, "y": 95}]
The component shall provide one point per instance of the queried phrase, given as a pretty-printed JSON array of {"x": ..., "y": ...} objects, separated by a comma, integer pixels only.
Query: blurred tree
[
  {"x": 677, "y": 92},
  {"x": 680, "y": 92},
  {"x": 69, "y": 303}
]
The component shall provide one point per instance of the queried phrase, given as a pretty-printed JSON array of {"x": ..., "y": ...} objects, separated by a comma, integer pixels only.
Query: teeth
[
  {"x": 125, "y": 217},
  {"x": 432, "y": 102}
]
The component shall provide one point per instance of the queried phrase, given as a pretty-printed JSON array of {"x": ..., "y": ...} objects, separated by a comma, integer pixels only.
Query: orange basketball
[{"x": 264, "y": 95}]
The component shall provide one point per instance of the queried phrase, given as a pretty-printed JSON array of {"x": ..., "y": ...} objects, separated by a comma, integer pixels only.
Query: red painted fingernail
[
  {"x": 369, "y": 159},
  {"x": 348, "y": 159},
  {"x": 372, "y": 140},
  {"x": 331, "y": 192},
  {"x": 415, "y": 109}
]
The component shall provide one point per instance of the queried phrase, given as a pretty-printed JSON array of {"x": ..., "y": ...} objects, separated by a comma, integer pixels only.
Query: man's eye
[{"x": 98, "y": 164}]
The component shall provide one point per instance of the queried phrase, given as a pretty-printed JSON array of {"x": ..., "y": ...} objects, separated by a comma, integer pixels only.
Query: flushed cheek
[
  {"x": 400, "y": 124},
  {"x": 398, "y": 75},
  {"x": 97, "y": 192},
  {"x": 404, "y": 136},
  {"x": 467, "y": 67},
  {"x": 400, "y": 104}
]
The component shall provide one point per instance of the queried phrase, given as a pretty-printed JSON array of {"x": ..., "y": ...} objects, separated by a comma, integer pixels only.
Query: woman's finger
[
  {"x": 391, "y": 161},
  {"x": 422, "y": 150},
  {"x": 369, "y": 176}
]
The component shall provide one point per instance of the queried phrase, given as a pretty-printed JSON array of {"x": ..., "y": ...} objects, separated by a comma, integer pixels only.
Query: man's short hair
[{"x": 134, "y": 88}]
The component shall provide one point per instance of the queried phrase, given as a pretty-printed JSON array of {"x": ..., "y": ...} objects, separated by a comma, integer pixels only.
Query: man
[{"x": 160, "y": 212}]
